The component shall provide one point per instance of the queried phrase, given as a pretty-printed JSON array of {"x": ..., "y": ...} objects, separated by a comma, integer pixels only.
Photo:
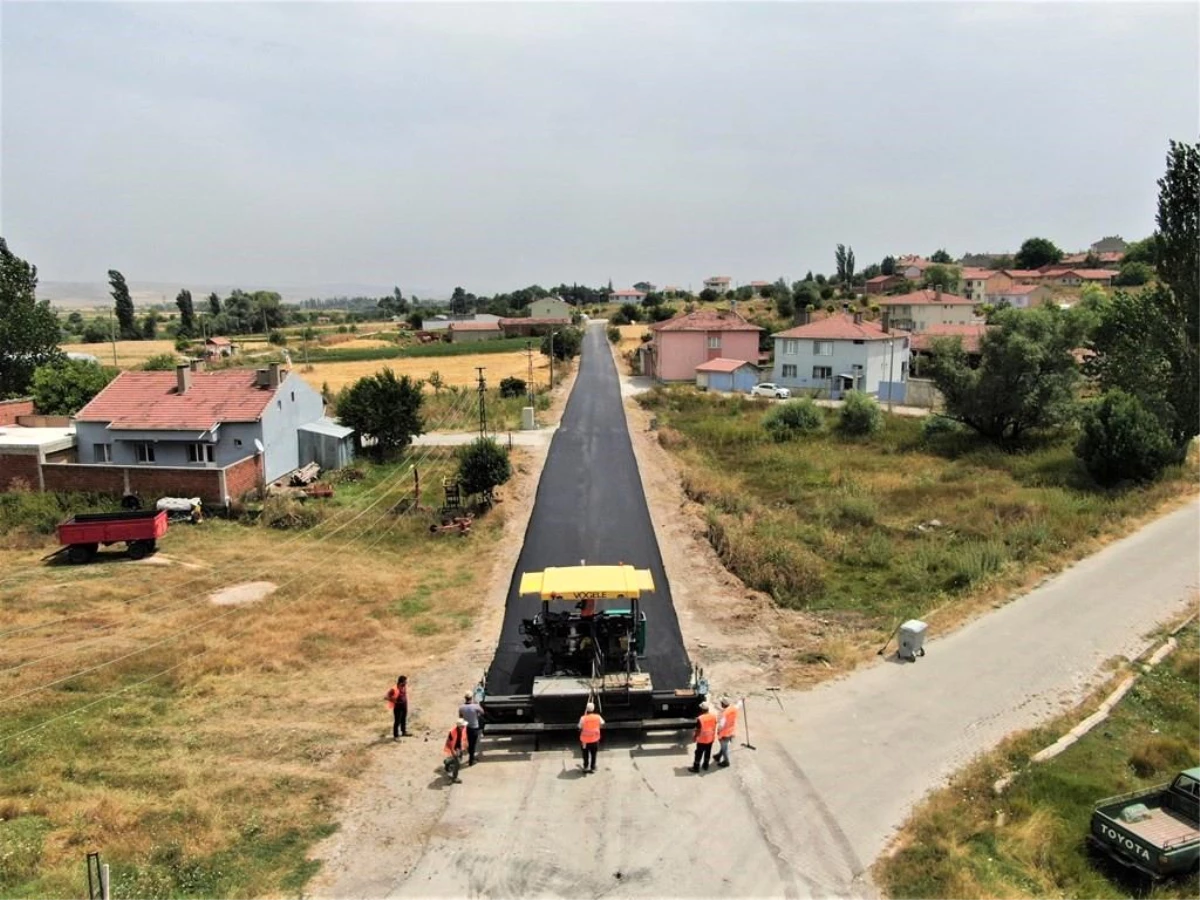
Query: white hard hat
[
  {"x": 462, "y": 723},
  {"x": 704, "y": 706},
  {"x": 591, "y": 707}
]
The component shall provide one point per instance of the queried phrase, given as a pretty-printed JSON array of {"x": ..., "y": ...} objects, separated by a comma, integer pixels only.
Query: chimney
[
  {"x": 196, "y": 365},
  {"x": 260, "y": 377},
  {"x": 858, "y": 318},
  {"x": 886, "y": 322},
  {"x": 803, "y": 315},
  {"x": 937, "y": 293},
  {"x": 273, "y": 375},
  {"x": 183, "y": 378}
]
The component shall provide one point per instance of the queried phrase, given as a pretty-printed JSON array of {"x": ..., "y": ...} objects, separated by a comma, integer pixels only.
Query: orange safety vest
[
  {"x": 455, "y": 740},
  {"x": 589, "y": 732},
  {"x": 396, "y": 694},
  {"x": 730, "y": 713},
  {"x": 706, "y": 728}
]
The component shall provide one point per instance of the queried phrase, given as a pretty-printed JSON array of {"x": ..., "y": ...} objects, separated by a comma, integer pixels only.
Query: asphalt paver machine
[{"x": 589, "y": 639}]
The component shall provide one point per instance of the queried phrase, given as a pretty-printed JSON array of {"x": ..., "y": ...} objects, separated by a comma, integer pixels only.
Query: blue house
[
  {"x": 727, "y": 375},
  {"x": 196, "y": 419}
]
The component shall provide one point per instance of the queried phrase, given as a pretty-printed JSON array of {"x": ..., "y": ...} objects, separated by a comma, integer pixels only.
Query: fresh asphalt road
[{"x": 590, "y": 507}]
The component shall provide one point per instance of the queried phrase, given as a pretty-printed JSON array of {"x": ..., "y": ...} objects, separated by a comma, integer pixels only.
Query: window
[
  {"x": 144, "y": 451},
  {"x": 860, "y": 342},
  {"x": 822, "y": 348},
  {"x": 279, "y": 404},
  {"x": 789, "y": 371},
  {"x": 791, "y": 348},
  {"x": 102, "y": 453},
  {"x": 237, "y": 442},
  {"x": 201, "y": 453},
  {"x": 714, "y": 342},
  {"x": 822, "y": 373},
  {"x": 293, "y": 396}
]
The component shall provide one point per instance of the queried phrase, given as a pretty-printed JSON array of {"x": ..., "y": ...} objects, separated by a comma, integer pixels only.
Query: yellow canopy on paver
[{"x": 588, "y": 582}]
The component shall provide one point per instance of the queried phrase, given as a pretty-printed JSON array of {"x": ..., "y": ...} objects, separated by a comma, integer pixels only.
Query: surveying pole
[
  {"x": 529, "y": 353},
  {"x": 482, "y": 403},
  {"x": 551, "y": 359}
]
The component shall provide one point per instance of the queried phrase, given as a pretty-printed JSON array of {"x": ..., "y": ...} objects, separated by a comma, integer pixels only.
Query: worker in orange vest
[
  {"x": 706, "y": 733},
  {"x": 590, "y": 724},
  {"x": 454, "y": 748},
  {"x": 397, "y": 701},
  {"x": 726, "y": 730}
]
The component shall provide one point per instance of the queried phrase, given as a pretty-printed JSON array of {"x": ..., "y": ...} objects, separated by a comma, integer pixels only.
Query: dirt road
[{"x": 832, "y": 773}]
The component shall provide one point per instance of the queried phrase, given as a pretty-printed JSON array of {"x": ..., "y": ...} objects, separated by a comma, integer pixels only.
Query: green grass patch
[
  {"x": 440, "y": 348},
  {"x": 892, "y": 523},
  {"x": 1031, "y": 841}
]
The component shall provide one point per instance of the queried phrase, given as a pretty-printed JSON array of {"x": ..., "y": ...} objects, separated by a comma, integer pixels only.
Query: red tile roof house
[
  {"x": 1076, "y": 277},
  {"x": 629, "y": 295},
  {"x": 1022, "y": 296},
  {"x": 727, "y": 375},
  {"x": 681, "y": 344},
  {"x": 920, "y": 309},
  {"x": 718, "y": 283},
  {"x": 218, "y": 346},
  {"x": 881, "y": 284},
  {"x": 197, "y": 419},
  {"x": 463, "y": 332},
  {"x": 533, "y": 326},
  {"x": 842, "y": 353},
  {"x": 923, "y": 343}
]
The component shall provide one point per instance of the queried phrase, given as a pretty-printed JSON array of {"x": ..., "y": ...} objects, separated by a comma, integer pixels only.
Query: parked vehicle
[
  {"x": 767, "y": 389},
  {"x": 138, "y": 529},
  {"x": 1155, "y": 831}
]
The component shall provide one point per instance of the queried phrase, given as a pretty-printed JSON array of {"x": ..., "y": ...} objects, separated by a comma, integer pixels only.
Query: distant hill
[{"x": 82, "y": 294}]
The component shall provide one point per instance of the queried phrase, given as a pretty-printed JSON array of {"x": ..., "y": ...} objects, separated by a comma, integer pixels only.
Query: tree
[
  {"x": 1133, "y": 274},
  {"x": 415, "y": 320},
  {"x": 187, "y": 313},
  {"x": 631, "y": 312},
  {"x": 888, "y": 266},
  {"x": 871, "y": 271},
  {"x": 385, "y": 408},
  {"x": 1026, "y": 376},
  {"x": 793, "y": 419},
  {"x": 513, "y": 386},
  {"x": 459, "y": 304},
  {"x": 1121, "y": 440},
  {"x": 567, "y": 343},
  {"x": 860, "y": 414},
  {"x": 436, "y": 381},
  {"x": 1141, "y": 251},
  {"x": 708, "y": 295},
  {"x": 941, "y": 256},
  {"x": 64, "y": 387},
  {"x": 806, "y": 294},
  {"x": 149, "y": 327},
  {"x": 947, "y": 277},
  {"x": 483, "y": 466},
  {"x": 126, "y": 325},
  {"x": 214, "y": 304},
  {"x": 28, "y": 329},
  {"x": 1147, "y": 346},
  {"x": 844, "y": 257},
  {"x": 1037, "y": 252}
]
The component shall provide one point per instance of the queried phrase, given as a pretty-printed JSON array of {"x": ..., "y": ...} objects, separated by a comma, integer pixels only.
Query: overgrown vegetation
[
  {"x": 793, "y": 419},
  {"x": 385, "y": 408},
  {"x": 482, "y": 467},
  {"x": 64, "y": 387},
  {"x": 830, "y": 523},
  {"x": 1030, "y": 842}
]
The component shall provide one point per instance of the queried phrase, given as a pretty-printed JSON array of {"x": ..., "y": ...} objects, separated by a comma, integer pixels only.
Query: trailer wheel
[
  {"x": 138, "y": 549},
  {"x": 81, "y": 553}
]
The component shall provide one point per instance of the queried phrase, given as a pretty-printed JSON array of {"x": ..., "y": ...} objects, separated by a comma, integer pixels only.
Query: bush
[
  {"x": 1133, "y": 274},
  {"x": 65, "y": 387},
  {"x": 567, "y": 343},
  {"x": 482, "y": 466},
  {"x": 283, "y": 512},
  {"x": 662, "y": 313},
  {"x": 162, "y": 362},
  {"x": 938, "y": 425},
  {"x": 1123, "y": 441},
  {"x": 860, "y": 414},
  {"x": 614, "y": 334},
  {"x": 278, "y": 338},
  {"x": 792, "y": 419},
  {"x": 513, "y": 387}
]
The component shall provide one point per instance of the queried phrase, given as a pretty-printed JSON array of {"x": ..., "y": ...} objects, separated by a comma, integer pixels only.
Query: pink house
[{"x": 684, "y": 342}]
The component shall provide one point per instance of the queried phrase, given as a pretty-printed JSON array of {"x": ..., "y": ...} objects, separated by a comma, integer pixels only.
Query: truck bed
[{"x": 1164, "y": 828}]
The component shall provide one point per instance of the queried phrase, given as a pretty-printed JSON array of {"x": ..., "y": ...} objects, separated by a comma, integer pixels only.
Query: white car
[{"x": 767, "y": 389}]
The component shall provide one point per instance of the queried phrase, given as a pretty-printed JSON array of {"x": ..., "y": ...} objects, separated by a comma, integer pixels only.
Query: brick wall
[
  {"x": 23, "y": 466},
  {"x": 10, "y": 409},
  {"x": 152, "y": 482},
  {"x": 243, "y": 477}
]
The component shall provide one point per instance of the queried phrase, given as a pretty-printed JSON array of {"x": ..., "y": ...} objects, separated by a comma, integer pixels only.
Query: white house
[
  {"x": 842, "y": 353},
  {"x": 550, "y": 308},
  {"x": 718, "y": 283},
  {"x": 629, "y": 295},
  {"x": 1021, "y": 296},
  {"x": 920, "y": 309}
]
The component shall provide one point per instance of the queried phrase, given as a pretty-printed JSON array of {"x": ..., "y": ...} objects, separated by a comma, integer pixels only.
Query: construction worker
[
  {"x": 706, "y": 733},
  {"x": 397, "y": 701},
  {"x": 590, "y": 724},
  {"x": 726, "y": 730},
  {"x": 452, "y": 751},
  {"x": 472, "y": 713}
]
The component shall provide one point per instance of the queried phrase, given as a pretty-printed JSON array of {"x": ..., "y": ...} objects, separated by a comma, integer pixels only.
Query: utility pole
[
  {"x": 482, "y": 403},
  {"x": 266, "y": 330},
  {"x": 551, "y": 359},
  {"x": 112, "y": 332},
  {"x": 529, "y": 354},
  {"x": 891, "y": 362}
]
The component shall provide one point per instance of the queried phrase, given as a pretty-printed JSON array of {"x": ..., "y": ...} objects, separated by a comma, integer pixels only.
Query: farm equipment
[
  {"x": 139, "y": 530},
  {"x": 591, "y": 652},
  {"x": 182, "y": 509}
]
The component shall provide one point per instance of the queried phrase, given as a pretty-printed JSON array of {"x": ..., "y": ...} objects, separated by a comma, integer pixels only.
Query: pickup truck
[
  {"x": 1156, "y": 831},
  {"x": 138, "y": 529}
]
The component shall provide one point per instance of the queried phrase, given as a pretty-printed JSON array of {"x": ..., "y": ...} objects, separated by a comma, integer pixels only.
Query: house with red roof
[
  {"x": 727, "y": 375},
  {"x": 718, "y": 283},
  {"x": 194, "y": 419},
  {"x": 881, "y": 284},
  {"x": 977, "y": 283},
  {"x": 464, "y": 332},
  {"x": 841, "y": 353},
  {"x": 627, "y": 295},
  {"x": 680, "y": 344},
  {"x": 917, "y": 310},
  {"x": 1021, "y": 296}
]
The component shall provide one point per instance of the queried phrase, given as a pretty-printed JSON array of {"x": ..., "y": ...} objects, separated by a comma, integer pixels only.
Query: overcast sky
[{"x": 499, "y": 145}]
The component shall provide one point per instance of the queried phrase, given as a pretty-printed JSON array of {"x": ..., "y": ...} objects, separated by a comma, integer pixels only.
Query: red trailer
[{"x": 139, "y": 529}]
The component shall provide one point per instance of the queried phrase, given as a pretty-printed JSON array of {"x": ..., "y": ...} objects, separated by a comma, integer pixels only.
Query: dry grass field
[
  {"x": 631, "y": 338},
  {"x": 130, "y": 354},
  {"x": 201, "y": 747},
  {"x": 455, "y": 370}
]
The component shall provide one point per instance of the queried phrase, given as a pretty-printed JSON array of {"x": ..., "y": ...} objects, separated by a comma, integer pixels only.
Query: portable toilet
[{"x": 912, "y": 640}]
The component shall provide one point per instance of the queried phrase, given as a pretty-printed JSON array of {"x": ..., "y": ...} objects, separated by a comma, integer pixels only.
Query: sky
[{"x": 499, "y": 145}]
